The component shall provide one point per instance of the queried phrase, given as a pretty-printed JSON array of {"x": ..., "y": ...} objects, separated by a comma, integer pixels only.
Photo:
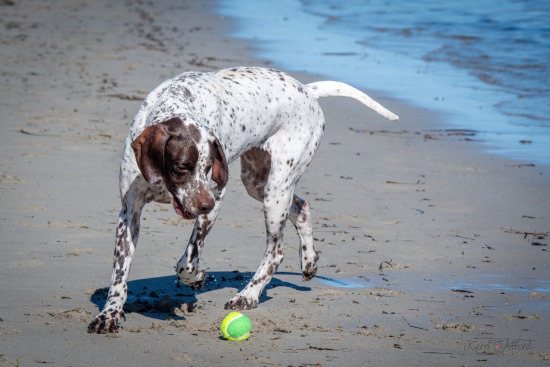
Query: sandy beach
[{"x": 432, "y": 252}]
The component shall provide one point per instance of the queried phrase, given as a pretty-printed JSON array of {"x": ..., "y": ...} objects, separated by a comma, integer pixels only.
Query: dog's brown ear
[
  {"x": 220, "y": 172},
  {"x": 149, "y": 149}
]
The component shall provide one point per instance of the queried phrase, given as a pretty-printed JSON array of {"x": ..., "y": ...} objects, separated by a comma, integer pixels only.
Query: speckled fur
[{"x": 177, "y": 150}]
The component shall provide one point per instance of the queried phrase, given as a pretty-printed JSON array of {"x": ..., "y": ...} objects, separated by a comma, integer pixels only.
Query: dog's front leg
[
  {"x": 276, "y": 211},
  {"x": 188, "y": 269},
  {"x": 108, "y": 320}
]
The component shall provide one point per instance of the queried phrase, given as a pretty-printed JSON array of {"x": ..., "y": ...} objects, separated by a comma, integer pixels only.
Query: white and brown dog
[{"x": 177, "y": 150}]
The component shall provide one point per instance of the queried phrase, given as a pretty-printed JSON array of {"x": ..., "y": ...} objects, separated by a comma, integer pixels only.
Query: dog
[{"x": 177, "y": 151}]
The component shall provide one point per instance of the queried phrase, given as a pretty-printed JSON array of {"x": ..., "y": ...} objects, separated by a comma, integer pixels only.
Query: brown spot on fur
[
  {"x": 272, "y": 269},
  {"x": 255, "y": 169}
]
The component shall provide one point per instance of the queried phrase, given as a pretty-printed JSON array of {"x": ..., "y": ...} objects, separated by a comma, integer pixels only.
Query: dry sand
[{"x": 433, "y": 253}]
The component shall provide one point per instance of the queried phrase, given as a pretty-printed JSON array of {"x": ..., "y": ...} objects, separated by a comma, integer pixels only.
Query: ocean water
[{"x": 483, "y": 65}]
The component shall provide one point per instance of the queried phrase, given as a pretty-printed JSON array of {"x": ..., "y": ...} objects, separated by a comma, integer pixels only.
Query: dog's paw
[
  {"x": 309, "y": 272},
  {"x": 194, "y": 280},
  {"x": 241, "y": 303},
  {"x": 197, "y": 285},
  {"x": 106, "y": 322},
  {"x": 310, "y": 269}
]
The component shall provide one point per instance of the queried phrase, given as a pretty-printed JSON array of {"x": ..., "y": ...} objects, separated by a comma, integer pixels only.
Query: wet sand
[{"x": 431, "y": 252}]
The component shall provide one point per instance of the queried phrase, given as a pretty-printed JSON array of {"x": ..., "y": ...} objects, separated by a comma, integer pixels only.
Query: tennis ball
[{"x": 236, "y": 326}]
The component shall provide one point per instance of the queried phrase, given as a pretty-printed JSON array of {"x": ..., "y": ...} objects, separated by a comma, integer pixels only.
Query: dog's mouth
[{"x": 178, "y": 207}]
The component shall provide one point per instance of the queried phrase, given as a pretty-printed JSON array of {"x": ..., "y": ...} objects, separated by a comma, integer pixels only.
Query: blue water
[{"x": 481, "y": 64}]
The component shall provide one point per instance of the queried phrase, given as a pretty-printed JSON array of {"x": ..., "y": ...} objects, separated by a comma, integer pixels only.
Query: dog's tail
[{"x": 330, "y": 88}]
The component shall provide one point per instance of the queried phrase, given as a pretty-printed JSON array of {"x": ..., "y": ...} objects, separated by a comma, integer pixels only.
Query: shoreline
[
  {"x": 427, "y": 245},
  {"x": 347, "y": 56}
]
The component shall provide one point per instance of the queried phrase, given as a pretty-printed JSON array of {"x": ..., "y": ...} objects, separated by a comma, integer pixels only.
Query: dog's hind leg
[{"x": 300, "y": 216}]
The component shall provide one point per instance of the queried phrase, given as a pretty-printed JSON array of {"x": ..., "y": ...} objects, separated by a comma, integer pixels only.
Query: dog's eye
[{"x": 181, "y": 168}]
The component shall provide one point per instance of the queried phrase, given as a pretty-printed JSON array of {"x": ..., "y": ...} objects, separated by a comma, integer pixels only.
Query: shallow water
[
  {"x": 482, "y": 282},
  {"x": 472, "y": 286},
  {"x": 484, "y": 65}
]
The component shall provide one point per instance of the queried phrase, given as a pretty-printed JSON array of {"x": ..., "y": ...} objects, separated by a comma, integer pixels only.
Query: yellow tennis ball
[{"x": 236, "y": 326}]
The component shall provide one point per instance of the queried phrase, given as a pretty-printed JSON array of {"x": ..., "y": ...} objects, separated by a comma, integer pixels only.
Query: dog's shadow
[{"x": 165, "y": 297}]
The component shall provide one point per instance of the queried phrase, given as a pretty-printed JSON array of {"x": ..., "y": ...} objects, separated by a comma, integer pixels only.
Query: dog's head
[{"x": 186, "y": 159}]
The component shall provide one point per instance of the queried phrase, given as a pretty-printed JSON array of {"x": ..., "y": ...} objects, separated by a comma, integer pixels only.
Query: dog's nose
[{"x": 205, "y": 205}]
